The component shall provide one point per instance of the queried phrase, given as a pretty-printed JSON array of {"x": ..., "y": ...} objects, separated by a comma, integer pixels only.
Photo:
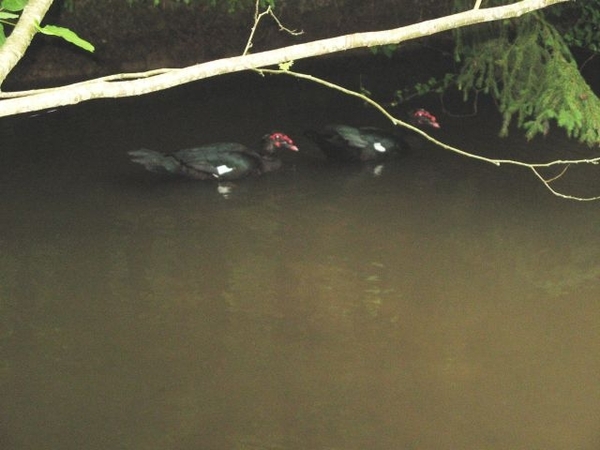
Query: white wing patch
[
  {"x": 378, "y": 146},
  {"x": 224, "y": 169}
]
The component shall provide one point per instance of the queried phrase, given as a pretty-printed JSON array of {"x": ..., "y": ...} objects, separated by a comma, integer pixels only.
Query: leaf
[
  {"x": 5, "y": 15},
  {"x": 285, "y": 66},
  {"x": 13, "y": 5},
  {"x": 2, "y": 35},
  {"x": 67, "y": 35}
]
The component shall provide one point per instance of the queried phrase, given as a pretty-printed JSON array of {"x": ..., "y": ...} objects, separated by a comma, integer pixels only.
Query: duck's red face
[
  {"x": 280, "y": 140},
  {"x": 424, "y": 117}
]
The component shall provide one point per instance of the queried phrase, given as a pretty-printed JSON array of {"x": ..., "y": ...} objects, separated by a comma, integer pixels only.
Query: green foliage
[
  {"x": 9, "y": 16},
  {"x": 13, "y": 5},
  {"x": 579, "y": 23},
  {"x": 528, "y": 68},
  {"x": 286, "y": 66},
  {"x": 67, "y": 35}
]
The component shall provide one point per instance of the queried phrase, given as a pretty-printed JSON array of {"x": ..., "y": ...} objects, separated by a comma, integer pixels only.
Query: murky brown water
[{"x": 445, "y": 304}]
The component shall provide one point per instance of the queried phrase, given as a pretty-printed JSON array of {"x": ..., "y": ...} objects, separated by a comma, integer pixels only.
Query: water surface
[{"x": 443, "y": 304}]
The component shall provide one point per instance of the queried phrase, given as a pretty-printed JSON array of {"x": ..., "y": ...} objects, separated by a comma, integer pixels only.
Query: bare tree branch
[{"x": 124, "y": 85}]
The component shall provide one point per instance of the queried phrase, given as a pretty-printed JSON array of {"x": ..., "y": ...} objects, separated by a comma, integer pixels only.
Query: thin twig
[
  {"x": 282, "y": 28},
  {"x": 398, "y": 122},
  {"x": 257, "y": 18},
  {"x": 559, "y": 194},
  {"x": 592, "y": 56},
  {"x": 562, "y": 172}
]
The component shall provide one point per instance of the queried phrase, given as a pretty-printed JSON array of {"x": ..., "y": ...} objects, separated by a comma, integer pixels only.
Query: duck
[
  {"x": 347, "y": 143},
  {"x": 221, "y": 161}
]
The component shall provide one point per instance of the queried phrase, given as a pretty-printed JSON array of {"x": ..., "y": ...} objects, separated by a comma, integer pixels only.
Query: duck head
[
  {"x": 422, "y": 117},
  {"x": 276, "y": 140}
]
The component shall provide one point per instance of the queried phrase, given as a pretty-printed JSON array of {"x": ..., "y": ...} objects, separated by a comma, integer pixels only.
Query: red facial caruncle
[
  {"x": 283, "y": 140},
  {"x": 423, "y": 117}
]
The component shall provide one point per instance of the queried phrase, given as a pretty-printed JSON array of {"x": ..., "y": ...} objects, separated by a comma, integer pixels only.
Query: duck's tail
[{"x": 155, "y": 161}]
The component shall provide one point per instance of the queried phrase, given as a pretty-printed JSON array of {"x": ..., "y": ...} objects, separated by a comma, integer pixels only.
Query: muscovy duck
[
  {"x": 347, "y": 143},
  {"x": 219, "y": 161}
]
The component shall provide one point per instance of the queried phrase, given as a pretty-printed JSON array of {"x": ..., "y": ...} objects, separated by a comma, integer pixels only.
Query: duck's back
[
  {"x": 222, "y": 160},
  {"x": 347, "y": 143}
]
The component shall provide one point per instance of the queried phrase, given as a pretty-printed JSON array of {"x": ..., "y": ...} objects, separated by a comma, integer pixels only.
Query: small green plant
[{"x": 9, "y": 15}]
